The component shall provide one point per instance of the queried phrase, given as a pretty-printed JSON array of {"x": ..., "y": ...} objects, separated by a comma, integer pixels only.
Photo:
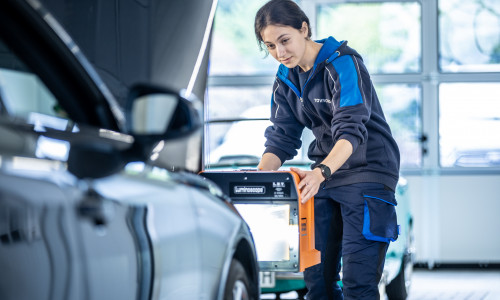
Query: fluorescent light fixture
[{"x": 203, "y": 47}]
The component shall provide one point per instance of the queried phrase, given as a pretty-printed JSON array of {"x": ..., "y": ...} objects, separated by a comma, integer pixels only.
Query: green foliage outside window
[
  {"x": 234, "y": 46},
  {"x": 387, "y": 35}
]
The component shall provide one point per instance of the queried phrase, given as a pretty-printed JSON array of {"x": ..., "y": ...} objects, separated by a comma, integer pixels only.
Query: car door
[{"x": 170, "y": 227}]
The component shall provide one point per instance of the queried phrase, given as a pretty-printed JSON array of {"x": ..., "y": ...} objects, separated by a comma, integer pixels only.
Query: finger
[
  {"x": 299, "y": 172},
  {"x": 302, "y": 184},
  {"x": 308, "y": 194},
  {"x": 305, "y": 198}
]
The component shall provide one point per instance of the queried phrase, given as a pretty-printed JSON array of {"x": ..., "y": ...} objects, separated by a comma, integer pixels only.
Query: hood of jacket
[{"x": 331, "y": 50}]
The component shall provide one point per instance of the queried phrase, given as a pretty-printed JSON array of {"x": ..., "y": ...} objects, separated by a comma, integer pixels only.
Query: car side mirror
[
  {"x": 155, "y": 114},
  {"x": 152, "y": 115}
]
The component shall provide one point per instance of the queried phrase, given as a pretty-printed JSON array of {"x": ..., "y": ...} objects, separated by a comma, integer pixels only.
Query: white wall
[{"x": 456, "y": 218}]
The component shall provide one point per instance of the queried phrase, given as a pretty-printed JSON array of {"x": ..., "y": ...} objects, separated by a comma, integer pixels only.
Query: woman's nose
[{"x": 281, "y": 51}]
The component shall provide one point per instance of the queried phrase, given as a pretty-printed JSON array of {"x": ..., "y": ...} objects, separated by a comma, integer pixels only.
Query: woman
[{"x": 324, "y": 86}]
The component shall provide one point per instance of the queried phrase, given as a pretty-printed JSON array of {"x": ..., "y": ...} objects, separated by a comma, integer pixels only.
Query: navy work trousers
[{"x": 340, "y": 233}]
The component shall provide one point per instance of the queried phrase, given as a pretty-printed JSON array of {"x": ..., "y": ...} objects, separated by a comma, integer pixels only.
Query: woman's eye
[
  {"x": 270, "y": 46},
  {"x": 285, "y": 41}
]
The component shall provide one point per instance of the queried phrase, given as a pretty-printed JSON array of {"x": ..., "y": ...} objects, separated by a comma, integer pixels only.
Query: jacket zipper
[
  {"x": 307, "y": 110},
  {"x": 302, "y": 92},
  {"x": 302, "y": 99}
]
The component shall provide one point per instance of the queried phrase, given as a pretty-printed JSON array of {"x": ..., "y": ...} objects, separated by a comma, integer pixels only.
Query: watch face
[{"x": 325, "y": 170}]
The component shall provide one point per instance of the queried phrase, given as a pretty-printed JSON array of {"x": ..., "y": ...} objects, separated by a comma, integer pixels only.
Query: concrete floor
[
  {"x": 446, "y": 285},
  {"x": 455, "y": 285}
]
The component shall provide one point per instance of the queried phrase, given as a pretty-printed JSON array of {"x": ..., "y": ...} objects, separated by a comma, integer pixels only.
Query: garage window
[
  {"x": 402, "y": 104},
  {"x": 387, "y": 35},
  {"x": 435, "y": 65},
  {"x": 469, "y": 36},
  {"x": 234, "y": 49},
  {"x": 469, "y": 124},
  {"x": 237, "y": 117},
  {"x": 469, "y": 62}
]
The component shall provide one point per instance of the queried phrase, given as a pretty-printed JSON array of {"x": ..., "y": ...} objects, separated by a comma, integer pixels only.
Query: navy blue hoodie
[{"x": 338, "y": 101}]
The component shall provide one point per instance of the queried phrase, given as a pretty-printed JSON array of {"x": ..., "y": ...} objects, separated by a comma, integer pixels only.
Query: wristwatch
[{"x": 325, "y": 171}]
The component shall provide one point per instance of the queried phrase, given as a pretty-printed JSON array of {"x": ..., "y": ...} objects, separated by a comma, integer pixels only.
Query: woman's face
[{"x": 285, "y": 43}]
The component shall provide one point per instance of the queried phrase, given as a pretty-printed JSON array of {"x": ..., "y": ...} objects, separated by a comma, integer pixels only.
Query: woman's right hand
[{"x": 309, "y": 184}]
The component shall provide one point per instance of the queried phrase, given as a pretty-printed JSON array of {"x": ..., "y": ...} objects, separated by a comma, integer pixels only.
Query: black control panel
[{"x": 253, "y": 185}]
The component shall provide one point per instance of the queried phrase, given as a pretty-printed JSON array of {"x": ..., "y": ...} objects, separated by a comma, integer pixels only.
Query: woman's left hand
[{"x": 309, "y": 182}]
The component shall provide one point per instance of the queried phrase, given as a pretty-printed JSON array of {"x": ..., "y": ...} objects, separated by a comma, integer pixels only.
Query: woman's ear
[{"x": 305, "y": 30}]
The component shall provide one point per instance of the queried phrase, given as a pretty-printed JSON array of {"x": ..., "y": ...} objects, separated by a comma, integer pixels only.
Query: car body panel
[{"x": 190, "y": 245}]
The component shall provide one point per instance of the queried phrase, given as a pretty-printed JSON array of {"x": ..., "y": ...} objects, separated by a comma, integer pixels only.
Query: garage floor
[
  {"x": 446, "y": 285},
  {"x": 455, "y": 285}
]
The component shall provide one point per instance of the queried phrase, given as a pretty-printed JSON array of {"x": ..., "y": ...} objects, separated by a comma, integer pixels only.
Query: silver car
[{"x": 84, "y": 211}]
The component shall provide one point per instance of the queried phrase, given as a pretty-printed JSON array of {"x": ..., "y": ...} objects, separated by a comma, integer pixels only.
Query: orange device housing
[
  {"x": 309, "y": 256},
  {"x": 273, "y": 187}
]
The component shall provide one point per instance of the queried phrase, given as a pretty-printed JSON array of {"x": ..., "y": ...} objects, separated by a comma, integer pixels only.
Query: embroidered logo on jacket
[{"x": 322, "y": 100}]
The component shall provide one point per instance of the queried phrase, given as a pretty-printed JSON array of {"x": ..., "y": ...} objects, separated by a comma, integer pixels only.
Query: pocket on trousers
[{"x": 379, "y": 220}]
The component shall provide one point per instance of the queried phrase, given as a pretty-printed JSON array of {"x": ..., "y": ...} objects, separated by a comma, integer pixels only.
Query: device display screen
[{"x": 274, "y": 232}]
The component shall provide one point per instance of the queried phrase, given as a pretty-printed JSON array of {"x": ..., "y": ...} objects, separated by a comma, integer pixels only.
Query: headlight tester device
[{"x": 270, "y": 203}]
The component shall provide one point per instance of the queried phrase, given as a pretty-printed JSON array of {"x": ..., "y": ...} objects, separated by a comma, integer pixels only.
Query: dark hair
[{"x": 279, "y": 12}]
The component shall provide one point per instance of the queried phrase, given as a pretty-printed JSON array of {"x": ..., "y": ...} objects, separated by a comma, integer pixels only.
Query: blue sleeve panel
[{"x": 350, "y": 93}]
